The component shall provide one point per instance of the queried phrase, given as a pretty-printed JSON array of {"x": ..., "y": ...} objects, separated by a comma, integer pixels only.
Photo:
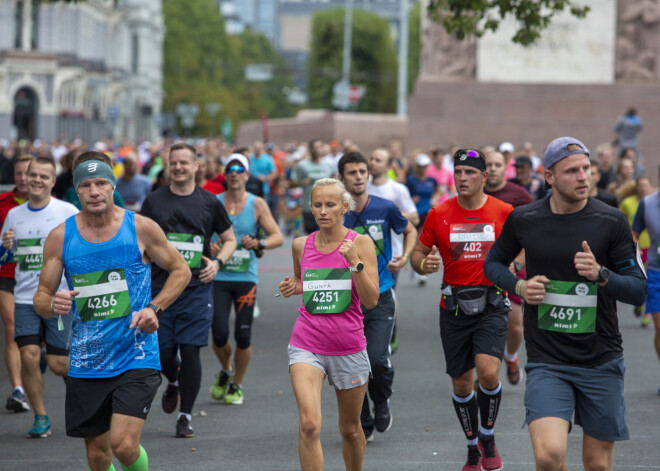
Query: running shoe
[
  {"x": 646, "y": 321},
  {"x": 369, "y": 435},
  {"x": 638, "y": 311},
  {"x": 183, "y": 428},
  {"x": 41, "y": 427},
  {"x": 382, "y": 416},
  {"x": 234, "y": 394},
  {"x": 394, "y": 340},
  {"x": 219, "y": 388},
  {"x": 513, "y": 372},
  {"x": 491, "y": 460},
  {"x": 473, "y": 462},
  {"x": 17, "y": 402},
  {"x": 170, "y": 398}
]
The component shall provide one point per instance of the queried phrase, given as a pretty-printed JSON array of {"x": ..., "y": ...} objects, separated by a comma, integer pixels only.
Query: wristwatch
[
  {"x": 261, "y": 244},
  {"x": 156, "y": 309},
  {"x": 517, "y": 266},
  {"x": 358, "y": 267},
  {"x": 603, "y": 275},
  {"x": 220, "y": 263}
]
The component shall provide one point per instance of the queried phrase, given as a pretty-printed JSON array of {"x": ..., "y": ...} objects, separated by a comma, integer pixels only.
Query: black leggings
[
  {"x": 243, "y": 294},
  {"x": 188, "y": 372}
]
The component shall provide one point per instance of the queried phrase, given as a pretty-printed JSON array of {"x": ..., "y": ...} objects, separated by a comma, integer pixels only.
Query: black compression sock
[
  {"x": 467, "y": 411},
  {"x": 489, "y": 405}
]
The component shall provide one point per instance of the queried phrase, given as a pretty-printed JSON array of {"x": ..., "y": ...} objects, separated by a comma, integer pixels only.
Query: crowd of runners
[{"x": 119, "y": 260}]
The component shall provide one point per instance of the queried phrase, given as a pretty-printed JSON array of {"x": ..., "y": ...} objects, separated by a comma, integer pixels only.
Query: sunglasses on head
[
  {"x": 462, "y": 154},
  {"x": 235, "y": 168}
]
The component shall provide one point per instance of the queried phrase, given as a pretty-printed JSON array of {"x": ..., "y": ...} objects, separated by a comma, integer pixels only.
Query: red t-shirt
[
  {"x": 213, "y": 187},
  {"x": 7, "y": 202},
  {"x": 464, "y": 238}
]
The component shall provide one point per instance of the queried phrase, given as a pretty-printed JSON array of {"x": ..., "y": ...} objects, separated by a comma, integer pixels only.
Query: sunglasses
[
  {"x": 462, "y": 154},
  {"x": 235, "y": 168}
]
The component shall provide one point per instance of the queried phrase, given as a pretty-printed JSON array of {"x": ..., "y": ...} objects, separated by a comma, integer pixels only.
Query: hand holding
[
  {"x": 288, "y": 286},
  {"x": 533, "y": 290},
  {"x": 349, "y": 251},
  {"x": 62, "y": 302},
  {"x": 397, "y": 263},
  {"x": 146, "y": 320},
  {"x": 209, "y": 271},
  {"x": 432, "y": 262}
]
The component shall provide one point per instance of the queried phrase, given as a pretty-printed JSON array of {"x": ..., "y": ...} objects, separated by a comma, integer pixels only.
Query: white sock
[
  {"x": 176, "y": 383},
  {"x": 187, "y": 416},
  {"x": 486, "y": 432},
  {"x": 510, "y": 356},
  {"x": 20, "y": 388}
]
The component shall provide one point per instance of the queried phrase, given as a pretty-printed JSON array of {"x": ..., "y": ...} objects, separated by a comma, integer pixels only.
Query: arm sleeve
[
  {"x": 627, "y": 282},
  {"x": 639, "y": 222},
  {"x": 501, "y": 254}
]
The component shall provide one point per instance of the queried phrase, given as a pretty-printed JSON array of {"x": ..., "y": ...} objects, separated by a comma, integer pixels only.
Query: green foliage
[
  {"x": 202, "y": 65},
  {"x": 467, "y": 17},
  {"x": 414, "y": 45},
  {"x": 373, "y": 60}
]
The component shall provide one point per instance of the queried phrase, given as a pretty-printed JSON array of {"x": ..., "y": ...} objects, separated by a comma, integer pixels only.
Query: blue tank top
[
  {"x": 242, "y": 266},
  {"x": 108, "y": 347},
  {"x": 652, "y": 217}
]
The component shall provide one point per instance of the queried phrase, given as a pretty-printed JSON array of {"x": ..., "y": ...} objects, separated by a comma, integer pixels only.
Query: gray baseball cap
[{"x": 557, "y": 150}]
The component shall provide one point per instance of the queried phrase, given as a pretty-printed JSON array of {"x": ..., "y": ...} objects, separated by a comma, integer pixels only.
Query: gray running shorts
[
  {"x": 595, "y": 395},
  {"x": 343, "y": 371}
]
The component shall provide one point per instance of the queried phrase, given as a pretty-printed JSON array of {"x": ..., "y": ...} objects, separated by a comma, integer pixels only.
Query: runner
[
  {"x": 189, "y": 216},
  {"x": 17, "y": 401},
  {"x": 574, "y": 349},
  {"x": 23, "y": 234},
  {"x": 374, "y": 216},
  {"x": 335, "y": 270},
  {"x": 237, "y": 281},
  {"x": 509, "y": 192},
  {"x": 473, "y": 312},
  {"x": 113, "y": 374},
  {"x": 648, "y": 217}
]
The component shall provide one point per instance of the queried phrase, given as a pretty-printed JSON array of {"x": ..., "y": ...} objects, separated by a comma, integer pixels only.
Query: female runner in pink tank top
[{"x": 335, "y": 270}]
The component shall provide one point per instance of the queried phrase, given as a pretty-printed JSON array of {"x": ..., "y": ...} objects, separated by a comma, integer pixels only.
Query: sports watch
[
  {"x": 603, "y": 275},
  {"x": 156, "y": 309},
  {"x": 358, "y": 267}
]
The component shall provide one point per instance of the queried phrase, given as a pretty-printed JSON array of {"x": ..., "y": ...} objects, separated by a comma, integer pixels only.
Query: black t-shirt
[
  {"x": 551, "y": 242},
  {"x": 607, "y": 198},
  {"x": 199, "y": 213}
]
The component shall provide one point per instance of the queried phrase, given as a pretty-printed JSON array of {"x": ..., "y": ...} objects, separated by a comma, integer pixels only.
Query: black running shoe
[
  {"x": 183, "y": 428},
  {"x": 382, "y": 417},
  {"x": 170, "y": 398}
]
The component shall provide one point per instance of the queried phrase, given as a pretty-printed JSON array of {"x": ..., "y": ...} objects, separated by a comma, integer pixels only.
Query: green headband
[{"x": 93, "y": 169}]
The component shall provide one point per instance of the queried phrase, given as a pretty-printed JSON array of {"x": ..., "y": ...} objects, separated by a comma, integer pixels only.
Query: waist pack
[{"x": 473, "y": 300}]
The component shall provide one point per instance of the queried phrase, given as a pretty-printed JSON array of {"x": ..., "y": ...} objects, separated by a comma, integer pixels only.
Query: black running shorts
[{"x": 90, "y": 402}]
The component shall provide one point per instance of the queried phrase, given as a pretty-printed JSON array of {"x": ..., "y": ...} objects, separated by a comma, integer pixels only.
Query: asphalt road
[{"x": 262, "y": 433}]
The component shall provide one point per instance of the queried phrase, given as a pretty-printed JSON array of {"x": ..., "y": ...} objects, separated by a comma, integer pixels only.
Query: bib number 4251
[{"x": 325, "y": 296}]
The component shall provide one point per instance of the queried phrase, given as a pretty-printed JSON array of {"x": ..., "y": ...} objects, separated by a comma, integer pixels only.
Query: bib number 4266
[{"x": 98, "y": 302}]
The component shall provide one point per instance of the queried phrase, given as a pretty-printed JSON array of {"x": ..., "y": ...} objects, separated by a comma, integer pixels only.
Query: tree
[
  {"x": 466, "y": 17},
  {"x": 414, "y": 45},
  {"x": 373, "y": 59}
]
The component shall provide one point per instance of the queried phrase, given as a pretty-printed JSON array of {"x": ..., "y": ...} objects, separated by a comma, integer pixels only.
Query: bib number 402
[
  {"x": 472, "y": 247},
  {"x": 565, "y": 313},
  {"x": 325, "y": 296},
  {"x": 100, "y": 302}
]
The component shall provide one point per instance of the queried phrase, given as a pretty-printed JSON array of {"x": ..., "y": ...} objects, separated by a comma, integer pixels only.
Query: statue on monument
[{"x": 638, "y": 40}]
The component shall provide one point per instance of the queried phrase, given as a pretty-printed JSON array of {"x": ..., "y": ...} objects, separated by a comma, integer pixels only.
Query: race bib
[
  {"x": 471, "y": 242},
  {"x": 239, "y": 262},
  {"x": 30, "y": 254},
  {"x": 103, "y": 295},
  {"x": 327, "y": 290},
  {"x": 569, "y": 307},
  {"x": 376, "y": 233},
  {"x": 190, "y": 246}
]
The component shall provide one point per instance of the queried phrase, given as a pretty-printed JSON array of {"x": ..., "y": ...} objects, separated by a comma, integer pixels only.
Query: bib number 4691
[
  {"x": 561, "y": 313},
  {"x": 325, "y": 296},
  {"x": 98, "y": 302}
]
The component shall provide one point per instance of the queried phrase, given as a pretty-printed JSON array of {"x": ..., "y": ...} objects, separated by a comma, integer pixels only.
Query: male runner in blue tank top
[
  {"x": 114, "y": 366},
  {"x": 237, "y": 281},
  {"x": 375, "y": 217},
  {"x": 189, "y": 216}
]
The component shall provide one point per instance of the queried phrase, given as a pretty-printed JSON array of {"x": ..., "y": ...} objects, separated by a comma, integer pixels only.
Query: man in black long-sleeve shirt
[{"x": 580, "y": 259}]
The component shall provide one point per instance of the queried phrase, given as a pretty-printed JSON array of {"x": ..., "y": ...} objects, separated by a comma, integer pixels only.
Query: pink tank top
[{"x": 330, "y": 319}]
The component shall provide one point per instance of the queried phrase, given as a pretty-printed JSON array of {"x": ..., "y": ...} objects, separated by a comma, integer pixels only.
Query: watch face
[{"x": 360, "y": 266}]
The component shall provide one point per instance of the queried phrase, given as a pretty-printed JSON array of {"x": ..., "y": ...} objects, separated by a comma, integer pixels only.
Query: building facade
[{"x": 82, "y": 70}]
